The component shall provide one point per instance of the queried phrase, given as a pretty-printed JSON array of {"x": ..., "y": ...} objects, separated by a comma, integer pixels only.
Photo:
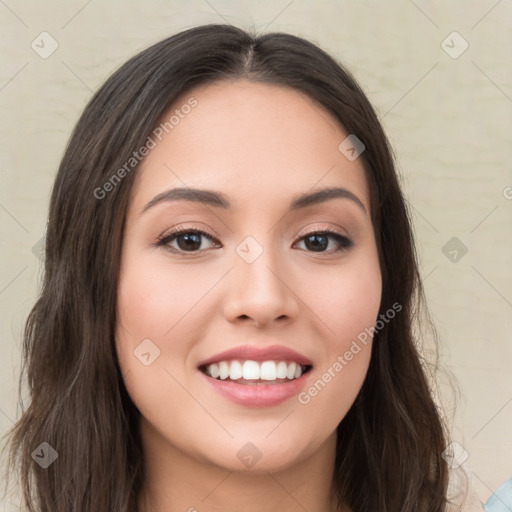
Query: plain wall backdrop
[{"x": 439, "y": 75}]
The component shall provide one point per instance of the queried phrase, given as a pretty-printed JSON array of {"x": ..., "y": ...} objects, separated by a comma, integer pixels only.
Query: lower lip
[{"x": 261, "y": 395}]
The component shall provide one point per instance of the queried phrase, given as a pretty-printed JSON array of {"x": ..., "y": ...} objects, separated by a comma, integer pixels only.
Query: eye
[
  {"x": 318, "y": 241},
  {"x": 187, "y": 240}
]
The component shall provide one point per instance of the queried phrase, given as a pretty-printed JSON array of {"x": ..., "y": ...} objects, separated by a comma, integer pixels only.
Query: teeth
[
  {"x": 250, "y": 370},
  {"x": 282, "y": 370},
  {"x": 268, "y": 370},
  {"x": 235, "y": 371},
  {"x": 224, "y": 370},
  {"x": 291, "y": 370},
  {"x": 253, "y": 370},
  {"x": 214, "y": 370}
]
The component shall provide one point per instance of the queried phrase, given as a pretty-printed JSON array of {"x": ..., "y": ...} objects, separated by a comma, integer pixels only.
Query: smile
[
  {"x": 253, "y": 372},
  {"x": 256, "y": 376}
]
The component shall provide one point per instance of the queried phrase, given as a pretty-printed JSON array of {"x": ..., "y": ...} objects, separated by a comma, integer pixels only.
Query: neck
[{"x": 177, "y": 482}]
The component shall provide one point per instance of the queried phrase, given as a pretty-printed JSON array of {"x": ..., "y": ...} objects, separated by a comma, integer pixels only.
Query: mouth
[
  {"x": 255, "y": 373},
  {"x": 254, "y": 376}
]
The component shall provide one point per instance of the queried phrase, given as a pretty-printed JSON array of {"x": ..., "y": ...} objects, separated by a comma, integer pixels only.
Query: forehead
[{"x": 253, "y": 141}]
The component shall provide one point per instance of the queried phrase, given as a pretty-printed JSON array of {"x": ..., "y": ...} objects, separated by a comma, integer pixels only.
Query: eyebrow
[{"x": 218, "y": 199}]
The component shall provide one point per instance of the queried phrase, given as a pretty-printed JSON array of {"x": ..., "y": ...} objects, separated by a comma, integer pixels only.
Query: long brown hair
[{"x": 389, "y": 445}]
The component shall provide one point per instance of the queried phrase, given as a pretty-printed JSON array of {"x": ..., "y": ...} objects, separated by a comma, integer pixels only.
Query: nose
[{"x": 261, "y": 293}]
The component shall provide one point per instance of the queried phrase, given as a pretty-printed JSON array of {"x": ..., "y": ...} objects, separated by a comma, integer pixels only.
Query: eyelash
[{"x": 344, "y": 242}]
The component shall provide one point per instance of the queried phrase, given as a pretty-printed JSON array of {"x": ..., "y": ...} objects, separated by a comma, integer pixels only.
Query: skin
[{"x": 260, "y": 145}]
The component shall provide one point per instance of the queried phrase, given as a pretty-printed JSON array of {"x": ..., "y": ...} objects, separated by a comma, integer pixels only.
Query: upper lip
[{"x": 247, "y": 352}]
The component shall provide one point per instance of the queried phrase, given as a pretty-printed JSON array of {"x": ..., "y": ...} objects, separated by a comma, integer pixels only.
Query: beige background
[{"x": 448, "y": 118}]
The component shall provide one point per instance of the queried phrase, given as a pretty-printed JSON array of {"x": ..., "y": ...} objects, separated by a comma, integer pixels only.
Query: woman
[{"x": 230, "y": 286}]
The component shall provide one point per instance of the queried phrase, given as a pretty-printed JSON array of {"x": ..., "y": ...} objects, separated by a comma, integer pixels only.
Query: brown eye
[
  {"x": 319, "y": 241},
  {"x": 187, "y": 240}
]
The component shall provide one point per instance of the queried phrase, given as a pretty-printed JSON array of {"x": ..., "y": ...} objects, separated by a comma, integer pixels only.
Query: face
[{"x": 239, "y": 310}]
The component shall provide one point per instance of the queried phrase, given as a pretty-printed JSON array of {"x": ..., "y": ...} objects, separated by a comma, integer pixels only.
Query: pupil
[
  {"x": 316, "y": 245},
  {"x": 193, "y": 241}
]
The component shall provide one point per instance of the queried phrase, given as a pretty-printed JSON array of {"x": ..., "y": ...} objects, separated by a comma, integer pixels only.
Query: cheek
[
  {"x": 151, "y": 337},
  {"x": 159, "y": 311},
  {"x": 157, "y": 298},
  {"x": 150, "y": 303},
  {"x": 356, "y": 302},
  {"x": 346, "y": 300},
  {"x": 347, "y": 303},
  {"x": 151, "y": 297}
]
